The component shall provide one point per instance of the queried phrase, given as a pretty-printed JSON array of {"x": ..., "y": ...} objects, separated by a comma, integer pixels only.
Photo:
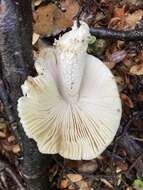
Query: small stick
[
  {"x": 3, "y": 179},
  {"x": 105, "y": 33},
  {"x": 15, "y": 178},
  {"x": 134, "y": 164},
  {"x": 5, "y": 167}
]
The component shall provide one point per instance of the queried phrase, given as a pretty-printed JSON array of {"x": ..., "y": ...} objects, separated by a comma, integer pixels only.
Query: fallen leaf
[
  {"x": 115, "y": 58},
  {"x": 16, "y": 148},
  {"x": 11, "y": 139},
  {"x": 64, "y": 183},
  {"x": 50, "y": 20},
  {"x": 35, "y": 38},
  {"x": 2, "y": 134},
  {"x": 138, "y": 184},
  {"x": 127, "y": 100},
  {"x": 129, "y": 188},
  {"x": 88, "y": 167},
  {"x": 137, "y": 69},
  {"x": 140, "y": 97},
  {"x": 2, "y": 123},
  {"x": 121, "y": 166},
  {"x": 119, "y": 11},
  {"x": 107, "y": 183},
  {"x": 37, "y": 2},
  {"x": 74, "y": 177},
  {"x": 81, "y": 184},
  {"x": 132, "y": 19}
]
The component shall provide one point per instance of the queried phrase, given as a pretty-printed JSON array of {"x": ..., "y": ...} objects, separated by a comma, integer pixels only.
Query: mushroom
[{"x": 72, "y": 107}]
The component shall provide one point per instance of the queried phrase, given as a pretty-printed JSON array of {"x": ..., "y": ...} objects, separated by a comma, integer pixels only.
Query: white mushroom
[{"x": 72, "y": 107}]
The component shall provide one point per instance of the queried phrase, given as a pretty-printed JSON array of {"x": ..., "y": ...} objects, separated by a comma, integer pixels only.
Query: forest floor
[{"x": 120, "y": 167}]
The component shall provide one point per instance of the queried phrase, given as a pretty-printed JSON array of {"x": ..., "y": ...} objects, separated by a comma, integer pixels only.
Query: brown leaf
[
  {"x": 35, "y": 38},
  {"x": 107, "y": 183},
  {"x": 122, "y": 166},
  {"x": 82, "y": 186},
  {"x": 74, "y": 177},
  {"x": 88, "y": 167},
  {"x": 140, "y": 97},
  {"x": 115, "y": 58},
  {"x": 119, "y": 11},
  {"x": 16, "y": 148},
  {"x": 64, "y": 183},
  {"x": 50, "y": 20},
  {"x": 2, "y": 135},
  {"x": 36, "y": 2},
  {"x": 127, "y": 100},
  {"x": 132, "y": 19},
  {"x": 129, "y": 188},
  {"x": 137, "y": 69}
]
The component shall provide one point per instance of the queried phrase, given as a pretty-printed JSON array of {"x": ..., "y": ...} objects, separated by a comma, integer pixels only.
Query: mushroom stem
[{"x": 72, "y": 59}]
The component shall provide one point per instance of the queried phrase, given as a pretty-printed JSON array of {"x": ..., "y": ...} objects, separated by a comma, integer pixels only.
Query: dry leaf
[
  {"x": 140, "y": 97},
  {"x": 2, "y": 123},
  {"x": 2, "y": 135},
  {"x": 64, "y": 183},
  {"x": 119, "y": 12},
  {"x": 37, "y": 2},
  {"x": 81, "y": 184},
  {"x": 127, "y": 100},
  {"x": 118, "y": 56},
  {"x": 129, "y": 188},
  {"x": 107, "y": 183},
  {"x": 50, "y": 20},
  {"x": 115, "y": 58},
  {"x": 74, "y": 177},
  {"x": 16, "y": 148},
  {"x": 132, "y": 19},
  {"x": 11, "y": 139},
  {"x": 88, "y": 167},
  {"x": 70, "y": 178},
  {"x": 137, "y": 69},
  {"x": 35, "y": 38},
  {"x": 121, "y": 166}
]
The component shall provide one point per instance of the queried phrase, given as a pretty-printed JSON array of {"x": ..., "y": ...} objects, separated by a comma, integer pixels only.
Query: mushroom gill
[{"x": 72, "y": 107}]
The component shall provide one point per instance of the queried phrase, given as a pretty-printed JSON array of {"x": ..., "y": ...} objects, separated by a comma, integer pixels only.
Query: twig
[
  {"x": 105, "y": 33},
  {"x": 134, "y": 164},
  {"x": 5, "y": 167},
  {"x": 3, "y": 179},
  {"x": 15, "y": 178},
  {"x": 1, "y": 186}
]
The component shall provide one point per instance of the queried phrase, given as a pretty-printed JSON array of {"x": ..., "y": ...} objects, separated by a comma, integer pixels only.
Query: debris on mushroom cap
[{"x": 72, "y": 107}]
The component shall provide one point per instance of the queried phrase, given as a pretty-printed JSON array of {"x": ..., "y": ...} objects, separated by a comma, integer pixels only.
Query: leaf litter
[{"x": 121, "y": 164}]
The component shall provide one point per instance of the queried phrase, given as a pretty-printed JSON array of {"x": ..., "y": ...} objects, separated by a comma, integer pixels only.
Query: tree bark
[{"x": 16, "y": 65}]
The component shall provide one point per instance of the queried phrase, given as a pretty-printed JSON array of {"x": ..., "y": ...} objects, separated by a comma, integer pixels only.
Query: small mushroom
[{"x": 72, "y": 107}]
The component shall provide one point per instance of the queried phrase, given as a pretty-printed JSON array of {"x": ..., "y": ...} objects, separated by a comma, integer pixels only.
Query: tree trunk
[{"x": 16, "y": 65}]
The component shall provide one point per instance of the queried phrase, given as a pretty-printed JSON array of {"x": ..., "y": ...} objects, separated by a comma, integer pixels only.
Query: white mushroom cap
[{"x": 72, "y": 107}]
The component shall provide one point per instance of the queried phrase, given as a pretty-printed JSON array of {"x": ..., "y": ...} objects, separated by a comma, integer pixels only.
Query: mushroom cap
[{"x": 79, "y": 129}]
